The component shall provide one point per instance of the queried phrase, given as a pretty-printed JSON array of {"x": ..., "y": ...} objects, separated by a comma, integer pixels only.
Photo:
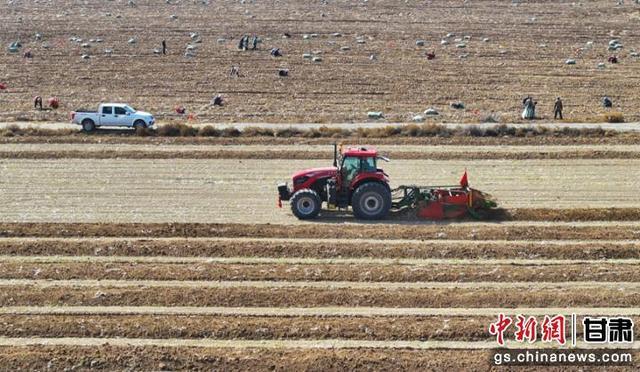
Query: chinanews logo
[
  {"x": 554, "y": 339},
  {"x": 552, "y": 329}
]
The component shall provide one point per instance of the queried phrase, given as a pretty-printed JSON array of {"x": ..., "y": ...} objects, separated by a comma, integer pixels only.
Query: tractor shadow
[{"x": 397, "y": 218}]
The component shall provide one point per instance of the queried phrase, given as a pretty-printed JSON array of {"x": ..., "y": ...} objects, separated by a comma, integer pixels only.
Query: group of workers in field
[
  {"x": 529, "y": 107},
  {"x": 529, "y": 112}
]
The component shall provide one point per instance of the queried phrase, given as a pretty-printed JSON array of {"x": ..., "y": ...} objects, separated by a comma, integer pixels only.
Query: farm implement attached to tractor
[{"x": 355, "y": 180}]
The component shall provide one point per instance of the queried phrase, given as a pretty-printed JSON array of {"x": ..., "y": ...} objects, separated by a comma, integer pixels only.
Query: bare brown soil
[
  {"x": 306, "y": 297},
  {"x": 602, "y": 272},
  {"x": 319, "y": 231},
  {"x": 321, "y": 248},
  {"x": 159, "y": 358},
  {"x": 253, "y": 328}
]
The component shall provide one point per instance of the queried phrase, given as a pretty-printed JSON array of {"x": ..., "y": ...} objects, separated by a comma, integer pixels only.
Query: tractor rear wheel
[
  {"x": 305, "y": 204},
  {"x": 371, "y": 201}
]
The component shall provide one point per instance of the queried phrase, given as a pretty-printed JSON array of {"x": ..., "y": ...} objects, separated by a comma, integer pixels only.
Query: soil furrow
[
  {"x": 558, "y": 296},
  {"x": 320, "y": 231},
  {"x": 212, "y": 271},
  {"x": 290, "y": 344},
  {"x": 248, "y": 328},
  {"x": 452, "y": 328},
  {"x": 321, "y": 248},
  {"x": 322, "y": 312},
  {"x": 113, "y": 357}
]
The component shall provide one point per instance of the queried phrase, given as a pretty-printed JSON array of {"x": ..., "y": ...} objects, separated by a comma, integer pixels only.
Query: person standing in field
[
  {"x": 529, "y": 111},
  {"x": 557, "y": 109},
  {"x": 164, "y": 47}
]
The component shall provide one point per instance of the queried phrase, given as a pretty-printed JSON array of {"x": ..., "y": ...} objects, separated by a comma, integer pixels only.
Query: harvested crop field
[
  {"x": 499, "y": 53},
  {"x": 200, "y": 296},
  {"x": 166, "y": 251}
]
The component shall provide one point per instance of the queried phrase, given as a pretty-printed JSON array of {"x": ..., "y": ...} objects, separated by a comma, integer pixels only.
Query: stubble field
[
  {"x": 525, "y": 53},
  {"x": 147, "y": 253},
  {"x": 175, "y": 263}
]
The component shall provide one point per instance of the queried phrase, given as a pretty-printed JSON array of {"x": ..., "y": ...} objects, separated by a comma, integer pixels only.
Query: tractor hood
[{"x": 316, "y": 173}]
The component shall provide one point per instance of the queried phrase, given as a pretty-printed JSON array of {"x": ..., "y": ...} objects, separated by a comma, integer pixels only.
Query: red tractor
[{"x": 355, "y": 180}]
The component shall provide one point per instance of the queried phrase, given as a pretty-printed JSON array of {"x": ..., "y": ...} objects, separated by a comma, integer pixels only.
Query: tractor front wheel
[
  {"x": 371, "y": 201},
  {"x": 305, "y": 204}
]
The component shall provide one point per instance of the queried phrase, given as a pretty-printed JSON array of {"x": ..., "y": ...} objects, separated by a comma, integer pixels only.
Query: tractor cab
[{"x": 357, "y": 165}]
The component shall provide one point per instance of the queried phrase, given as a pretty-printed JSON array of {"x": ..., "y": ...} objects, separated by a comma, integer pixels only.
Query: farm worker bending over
[
  {"x": 557, "y": 109},
  {"x": 37, "y": 103}
]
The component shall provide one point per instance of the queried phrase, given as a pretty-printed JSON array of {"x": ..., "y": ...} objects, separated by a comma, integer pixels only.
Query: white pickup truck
[{"x": 112, "y": 115}]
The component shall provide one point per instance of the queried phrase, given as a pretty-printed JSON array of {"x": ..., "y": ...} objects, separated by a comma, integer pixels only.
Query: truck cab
[{"x": 354, "y": 180}]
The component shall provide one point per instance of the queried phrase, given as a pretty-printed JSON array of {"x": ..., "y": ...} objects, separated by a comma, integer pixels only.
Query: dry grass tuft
[{"x": 613, "y": 117}]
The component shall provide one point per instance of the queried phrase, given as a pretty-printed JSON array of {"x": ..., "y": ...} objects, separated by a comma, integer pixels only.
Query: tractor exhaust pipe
[{"x": 335, "y": 155}]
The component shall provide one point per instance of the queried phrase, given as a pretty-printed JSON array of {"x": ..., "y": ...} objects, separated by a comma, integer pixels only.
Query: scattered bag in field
[
  {"x": 28, "y": 54},
  {"x": 419, "y": 42},
  {"x": 38, "y": 36},
  {"x": 85, "y": 56},
  {"x": 3, "y": 86},
  {"x": 612, "y": 59},
  {"x": 614, "y": 45},
  {"x": 275, "y": 52},
  {"x": 375, "y": 115},
  {"x": 601, "y": 65},
  {"x": 570, "y": 62},
  {"x": 418, "y": 118},
  {"x": 132, "y": 40},
  {"x": 457, "y": 105},
  {"x": 15, "y": 47},
  {"x": 431, "y": 55},
  {"x": 283, "y": 72},
  {"x": 431, "y": 111},
  {"x": 180, "y": 110}
]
